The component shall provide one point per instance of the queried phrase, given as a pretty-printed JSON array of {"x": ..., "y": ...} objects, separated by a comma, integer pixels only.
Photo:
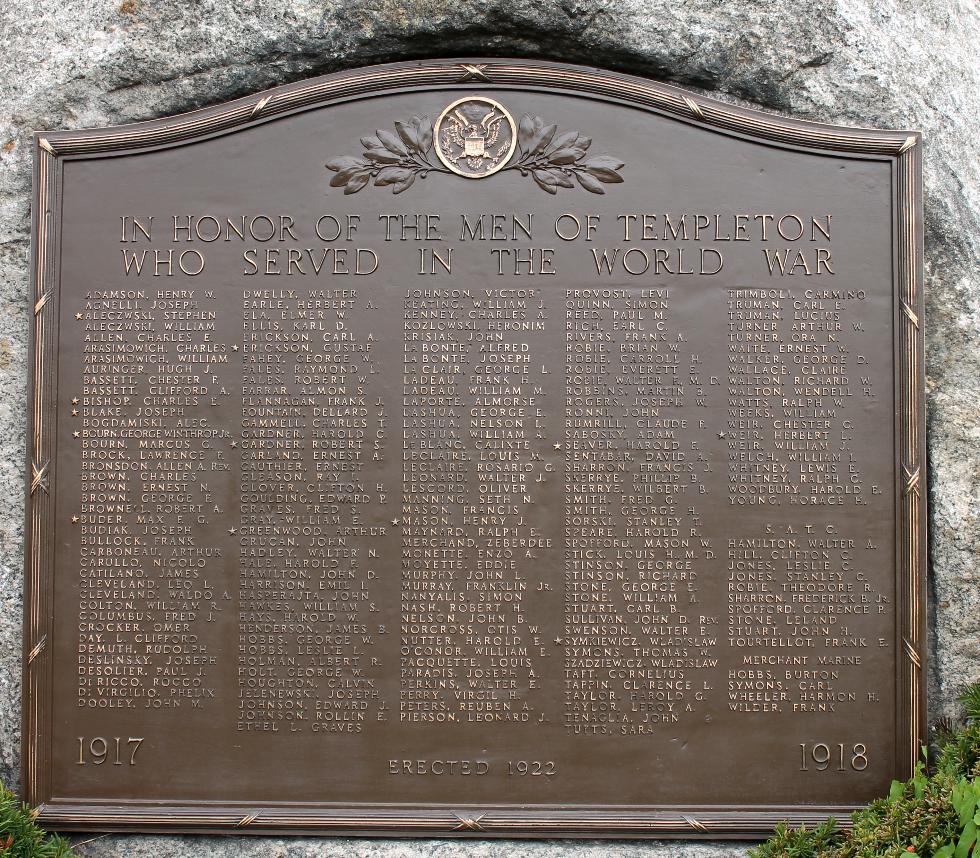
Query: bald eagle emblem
[{"x": 475, "y": 137}]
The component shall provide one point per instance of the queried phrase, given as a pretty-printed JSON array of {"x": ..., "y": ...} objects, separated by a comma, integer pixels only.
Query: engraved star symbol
[
  {"x": 234, "y": 348},
  {"x": 233, "y": 530},
  {"x": 76, "y": 434},
  {"x": 74, "y": 401},
  {"x": 557, "y": 445},
  {"x": 721, "y": 434},
  {"x": 74, "y": 519},
  {"x": 234, "y": 444},
  {"x": 395, "y": 522},
  {"x": 559, "y": 641},
  {"x": 74, "y": 412},
  {"x": 78, "y": 316}
]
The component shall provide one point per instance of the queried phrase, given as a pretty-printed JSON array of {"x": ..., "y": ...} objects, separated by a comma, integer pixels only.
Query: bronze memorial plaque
[{"x": 474, "y": 449}]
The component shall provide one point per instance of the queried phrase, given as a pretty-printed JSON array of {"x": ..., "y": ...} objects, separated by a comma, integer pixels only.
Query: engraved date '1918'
[{"x": 819, "y": 756}]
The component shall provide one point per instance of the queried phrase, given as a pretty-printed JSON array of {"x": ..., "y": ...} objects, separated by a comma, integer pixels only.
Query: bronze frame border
[{"x": 902, "y": 148}]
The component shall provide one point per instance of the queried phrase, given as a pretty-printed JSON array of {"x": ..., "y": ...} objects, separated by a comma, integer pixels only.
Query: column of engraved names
[
  {"x": 633, "y": 655},
  {"x": 756, "y": 373},
  {"x": 304, "y": 587},
  {"x": 468, "y": 402},
  {"x": 149, "y": 463},
  {"x": 794, "y": 589},
  {"x": 433, "y": 665},
  {"x": 830, "y": 593},
  {"x": 662, "y": 542},
  {"x": 506, "y": 418}
]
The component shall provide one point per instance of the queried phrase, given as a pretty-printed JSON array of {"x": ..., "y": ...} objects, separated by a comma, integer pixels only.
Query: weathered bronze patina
[{"x": 473, "y": 449}]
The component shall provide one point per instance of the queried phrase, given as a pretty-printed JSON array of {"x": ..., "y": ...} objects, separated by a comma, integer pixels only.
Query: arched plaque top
[
  {"x": 486, "y": 76},
  {"x": 580, "y": 492}
]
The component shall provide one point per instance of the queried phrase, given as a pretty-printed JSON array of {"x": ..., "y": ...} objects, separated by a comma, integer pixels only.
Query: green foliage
[
  {"x": 915, "y": 818},
  {"x": 965, "y": 798},
  {"x": 935, "y": 816},
  {"x": 970, "y": 698},
  {"x": 799, "y": 842},
  {"x": 959, "y": 755},
  {"x": 20, "y": 837}
]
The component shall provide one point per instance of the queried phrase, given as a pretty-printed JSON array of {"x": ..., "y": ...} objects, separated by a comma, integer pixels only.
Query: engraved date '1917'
[{"x": 101, "y": 750}]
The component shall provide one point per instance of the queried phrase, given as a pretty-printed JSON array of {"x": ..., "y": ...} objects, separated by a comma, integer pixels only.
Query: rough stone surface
[
  {"x": 305, "y": 847},
  {"x": 886, "y": 63}
]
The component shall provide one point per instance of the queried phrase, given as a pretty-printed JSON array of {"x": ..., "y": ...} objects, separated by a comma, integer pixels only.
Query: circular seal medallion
[{"x": 475, "y": 136}]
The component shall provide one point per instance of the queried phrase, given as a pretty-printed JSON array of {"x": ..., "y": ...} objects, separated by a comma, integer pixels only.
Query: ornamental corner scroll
[{"x": 475, "y": 137}]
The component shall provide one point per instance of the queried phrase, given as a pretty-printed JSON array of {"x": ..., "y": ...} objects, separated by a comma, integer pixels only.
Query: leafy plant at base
[
  {"x": 970, "y": 698},
  {"x": 960, "y": 753},
  {"x": 20, "y": 837},
  {"x": 916, "y": 818},
  {"x": 960, "y": 749},
  {"x": 925, "y": 817},
  {"x": 799, "y": 842}
]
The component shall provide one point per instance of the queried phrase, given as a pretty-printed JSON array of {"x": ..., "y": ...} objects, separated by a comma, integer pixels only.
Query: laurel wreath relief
[{"x": 553, "y": 160}]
